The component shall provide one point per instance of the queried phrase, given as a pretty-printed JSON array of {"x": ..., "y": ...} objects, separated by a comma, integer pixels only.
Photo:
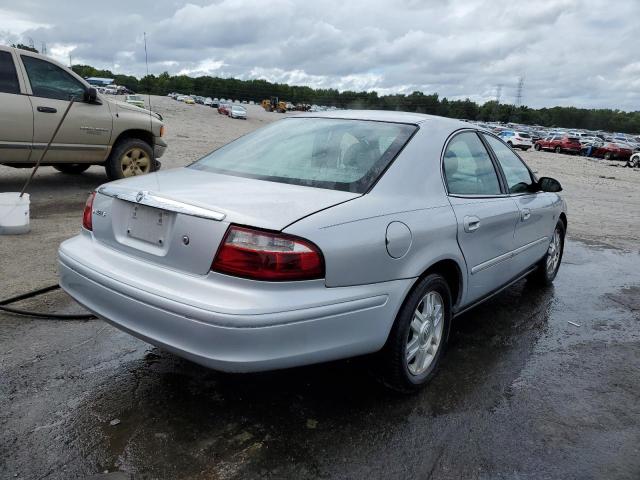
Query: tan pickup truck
[{"x": 34, "y": 94}]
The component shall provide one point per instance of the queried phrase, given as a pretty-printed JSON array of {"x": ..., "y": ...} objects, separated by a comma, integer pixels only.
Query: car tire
[
  {"x": 72, "y": 168},
  {"x": 549, "y": 265},
  {"x": 427, "y": 337},
  {"x": 537, "y": 147},
  {"x": 608, "y": 156},
  {"x": 510, "y": 144},
  {"x": 557, "y": 150},
  {"x": 130, "y": 157}
]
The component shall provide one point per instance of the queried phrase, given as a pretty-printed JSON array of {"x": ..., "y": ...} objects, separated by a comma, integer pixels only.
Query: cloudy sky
[{"x": 570, "y": 52}]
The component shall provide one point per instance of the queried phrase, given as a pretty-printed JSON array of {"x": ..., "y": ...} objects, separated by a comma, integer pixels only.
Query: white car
[
  {"x": 208, "y": 101},
  {"x": 517, "y": 139}
]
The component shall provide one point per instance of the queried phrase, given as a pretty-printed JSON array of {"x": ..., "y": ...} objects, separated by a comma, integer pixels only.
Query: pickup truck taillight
[
  {"x": 262, "y": 255},
  {"x": 87, "y": 221}
]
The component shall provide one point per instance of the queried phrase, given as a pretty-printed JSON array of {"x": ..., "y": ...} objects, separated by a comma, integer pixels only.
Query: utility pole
[
  {"x": 496, "y": 108},
  {"x": 43, "y": 48},
  {"x": 519, "y": 91}
]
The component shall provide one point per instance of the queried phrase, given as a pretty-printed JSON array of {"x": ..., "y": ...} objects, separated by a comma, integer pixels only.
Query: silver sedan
[{"x": 321, "y": 236}]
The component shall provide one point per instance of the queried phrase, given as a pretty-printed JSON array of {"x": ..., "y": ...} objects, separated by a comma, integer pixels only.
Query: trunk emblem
[
  {"x": 185, "y": 240},
  {"x": 139, "y": 197}
]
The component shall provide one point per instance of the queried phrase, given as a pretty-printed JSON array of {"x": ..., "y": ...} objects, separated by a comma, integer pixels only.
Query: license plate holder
[{"x": 148, "y": 224}]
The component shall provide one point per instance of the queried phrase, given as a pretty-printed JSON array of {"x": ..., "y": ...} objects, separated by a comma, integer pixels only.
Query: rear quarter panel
[{"x": 352, "y": 235}]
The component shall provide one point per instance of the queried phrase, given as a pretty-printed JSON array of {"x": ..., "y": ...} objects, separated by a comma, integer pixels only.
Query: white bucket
[{"x": 14, "y": 213}]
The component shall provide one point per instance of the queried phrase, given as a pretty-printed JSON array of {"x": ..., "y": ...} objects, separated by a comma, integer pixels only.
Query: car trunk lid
[{"x": 178, "y": 218}]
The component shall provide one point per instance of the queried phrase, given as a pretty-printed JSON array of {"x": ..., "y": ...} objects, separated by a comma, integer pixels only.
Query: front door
[
  {"x": 537, "y": 210},
  {"x": 486, "y": 216},
  {"x": 16, "y": 120},
  {"x": 86, "y": 131}
]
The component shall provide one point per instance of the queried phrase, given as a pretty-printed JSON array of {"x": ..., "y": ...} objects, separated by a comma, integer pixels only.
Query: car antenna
[{"x": 146, "y": 62}]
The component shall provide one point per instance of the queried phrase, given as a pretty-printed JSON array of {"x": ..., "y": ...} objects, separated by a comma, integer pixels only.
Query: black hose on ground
[{"x": 34, "y": 293}]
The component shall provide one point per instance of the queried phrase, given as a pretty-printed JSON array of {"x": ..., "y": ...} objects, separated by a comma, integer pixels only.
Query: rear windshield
[
  {"x": 524, "y": 135},
  {"x": 327, "y": 153}
]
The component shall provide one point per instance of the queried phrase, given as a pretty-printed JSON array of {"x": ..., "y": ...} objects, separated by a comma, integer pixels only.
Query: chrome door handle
[
  {"x": 525, "y": 214},
  {"x": 471, "y": 223}
]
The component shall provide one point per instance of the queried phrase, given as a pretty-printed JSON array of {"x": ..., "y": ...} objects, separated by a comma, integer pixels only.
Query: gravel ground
[{"x": 522, "y": 393}]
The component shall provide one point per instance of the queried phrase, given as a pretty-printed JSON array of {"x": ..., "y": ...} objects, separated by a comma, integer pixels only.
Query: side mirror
[
  {"x": 548, "y": 184},
  {"x": 90, "y": 95}
]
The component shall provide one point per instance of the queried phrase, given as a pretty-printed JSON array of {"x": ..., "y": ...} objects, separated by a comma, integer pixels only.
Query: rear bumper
[{"x": 311, "y": 325}]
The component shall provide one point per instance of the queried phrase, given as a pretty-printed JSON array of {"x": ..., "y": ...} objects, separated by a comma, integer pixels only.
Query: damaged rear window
[{"x": 336, "y": 154}]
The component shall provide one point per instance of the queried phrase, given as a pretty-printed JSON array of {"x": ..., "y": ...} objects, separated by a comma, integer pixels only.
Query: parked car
[
  {"x": 336, "y": 235},
  {"x": 199, "y": 100},
  {"x": 612, "y": 151},
  {"x": 516, "y": 139},
  {"x": 559, "y": 144},
  {"x": 236, "y": 111},
  {"x": 34, "y": 94},
  {"x": 189, "y": 100},
  {"x": 224, "y": 108},
  {"x": 208, "y": 101},
  {"x": 136, "y": 100}
]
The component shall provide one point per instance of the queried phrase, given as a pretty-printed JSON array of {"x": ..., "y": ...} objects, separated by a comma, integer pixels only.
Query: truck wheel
[
  {"x": 130, "y": 157},
  {"x": 72, "y": 168},
  {"x": 418, "y": 338}
]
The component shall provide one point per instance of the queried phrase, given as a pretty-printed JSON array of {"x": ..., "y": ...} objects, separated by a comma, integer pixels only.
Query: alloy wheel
[
  {"x": 553, "y": 253},
  {"x": 135, "y": 161},
  {"x": 425, "y": 333}
]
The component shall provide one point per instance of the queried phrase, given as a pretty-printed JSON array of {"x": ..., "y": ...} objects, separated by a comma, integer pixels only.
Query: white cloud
[{"x": 571, "y": 52}]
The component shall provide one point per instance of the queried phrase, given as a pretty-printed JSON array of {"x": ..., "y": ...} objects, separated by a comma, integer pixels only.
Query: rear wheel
[
  {"x": 537, "y": 146},
  {"x": 550, "y": 264},
  {"x": 510, "y": 144},
  {"x": 417, "y": 340},
  {"x": 72, "y": 168},
  {"x": 130, "y": 157},
  {"x": 608, "y": 156},
  {"x": 557, "y": 149}
]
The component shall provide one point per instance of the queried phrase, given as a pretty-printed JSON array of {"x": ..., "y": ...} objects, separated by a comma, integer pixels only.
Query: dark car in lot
[{"x": 559, "y": 144}]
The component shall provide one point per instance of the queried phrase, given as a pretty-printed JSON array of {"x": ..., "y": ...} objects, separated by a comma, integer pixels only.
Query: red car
[
  {"x": 559, "y": 144},
  {"x": 612, "y": 151},
  {"x": 223, "y": 108}
]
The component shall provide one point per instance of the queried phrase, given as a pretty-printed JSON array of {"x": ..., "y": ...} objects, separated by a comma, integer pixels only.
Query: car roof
[{"x": 387, "y": 116}]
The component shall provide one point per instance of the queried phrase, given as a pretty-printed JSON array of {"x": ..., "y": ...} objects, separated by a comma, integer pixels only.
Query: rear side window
[
  {"x": 468, "y": 169},
  {"x": 50, "y": 81},
  {"x": 329, "y": 153},
  {"x": 518, "y": 177},
  {"x": 8, "y": 75}
]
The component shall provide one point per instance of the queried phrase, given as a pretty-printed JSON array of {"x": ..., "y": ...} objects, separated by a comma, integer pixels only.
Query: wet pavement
[{"x": 522, "y": 394}]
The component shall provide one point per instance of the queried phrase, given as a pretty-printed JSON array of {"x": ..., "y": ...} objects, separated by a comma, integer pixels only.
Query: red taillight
[
  {"x": 261, "y": 255},
  {"x": 87, "y": 221}
]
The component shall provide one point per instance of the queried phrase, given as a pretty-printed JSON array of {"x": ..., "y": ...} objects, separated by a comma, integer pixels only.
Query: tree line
[{"x": 564, "y": 117}]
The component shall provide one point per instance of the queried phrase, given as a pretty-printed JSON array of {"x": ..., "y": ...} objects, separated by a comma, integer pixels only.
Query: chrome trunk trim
[{"x": 150, "y": 199}]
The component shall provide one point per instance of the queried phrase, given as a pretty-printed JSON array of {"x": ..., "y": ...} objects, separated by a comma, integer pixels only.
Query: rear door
[
  {"x": 485, "y": 214},
  {"x": 16, "y": 120},
  {"x": 86, "y": 132},
  {"x": 537, "y": 211}
]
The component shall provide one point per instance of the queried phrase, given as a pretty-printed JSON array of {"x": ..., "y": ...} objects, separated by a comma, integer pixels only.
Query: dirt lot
[{"x": 522, "y": 393}]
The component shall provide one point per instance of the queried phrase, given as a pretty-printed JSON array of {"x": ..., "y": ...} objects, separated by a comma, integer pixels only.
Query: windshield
[
  {"x": 327, "y": 153},
  {"x": 135, "y": 97}
]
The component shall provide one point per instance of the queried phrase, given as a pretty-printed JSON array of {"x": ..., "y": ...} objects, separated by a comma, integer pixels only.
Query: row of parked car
[
  {"x": 224, "y": 107},
  {"x": 609, "y": 147}
]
